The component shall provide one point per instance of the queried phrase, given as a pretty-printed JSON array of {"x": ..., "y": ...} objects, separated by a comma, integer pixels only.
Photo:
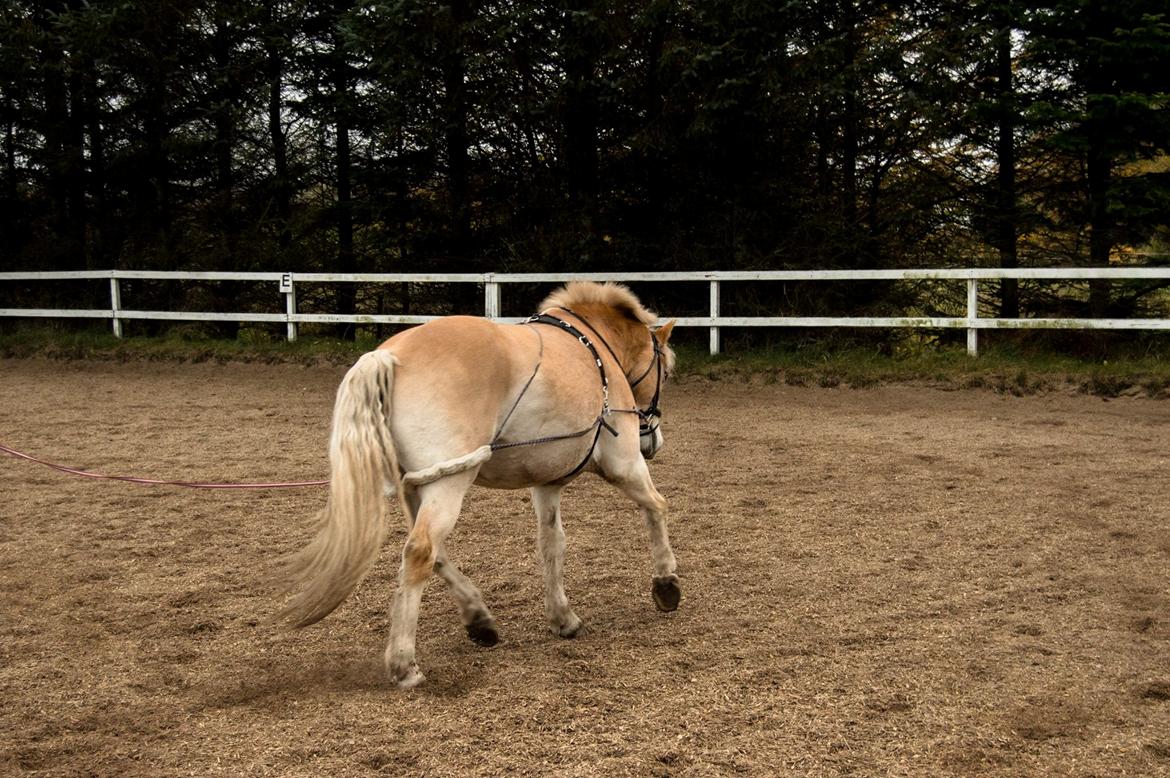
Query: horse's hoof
[
  {"x": 571, "y": 628},
  {"x": 408, "y": 678},
  {"x": 483, "y": 631},
  {"x": 666, "y": 593}
]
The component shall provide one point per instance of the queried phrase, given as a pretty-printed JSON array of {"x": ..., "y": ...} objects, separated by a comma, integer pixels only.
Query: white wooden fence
[{"x": 493, "y": 283}]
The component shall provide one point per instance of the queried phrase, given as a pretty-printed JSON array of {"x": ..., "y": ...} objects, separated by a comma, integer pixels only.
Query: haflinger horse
[{"x": 461, "y": 400}]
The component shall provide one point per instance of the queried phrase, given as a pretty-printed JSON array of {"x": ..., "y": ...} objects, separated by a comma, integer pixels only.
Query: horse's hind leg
[
  {"x": 476, "y": 618},
  {"x": 438, "y": 510},
  {"x": 550, "y": 540},
  {"x": 638, "y": 487}
]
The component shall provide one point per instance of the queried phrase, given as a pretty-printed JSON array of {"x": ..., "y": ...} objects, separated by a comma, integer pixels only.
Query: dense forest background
[{"x": 588, "y": 135}]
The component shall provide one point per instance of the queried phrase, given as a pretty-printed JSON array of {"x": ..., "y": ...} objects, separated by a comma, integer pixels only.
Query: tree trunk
[
  {"x": 823, "y": 135},
  {"x": 75, "y": 171},
  {"x": 281, "y": 184},
  {"x": 454, "y": 70},
  {"x": 1099, "y": 171},
  {"x": 849, "y": 121},
  {"x": 1005, "y": 222},
  {"x": 526, "y": 82},
  {"x": 580, "y": 118},
  {"x": 1100, "y": 224},
  {"x": 55, "y": 131},
  {"x": 653, "y": 101},
  {"x": 155, "y": 184},
  {"x": 96, "y": 182},
  {"x": 224, "y": 145},
  {"x": 849, "y": 160},
  {"x": 10, "y": 172},
  {"x": 346, "y": 293},
  {"x": 228, "y": 96}
]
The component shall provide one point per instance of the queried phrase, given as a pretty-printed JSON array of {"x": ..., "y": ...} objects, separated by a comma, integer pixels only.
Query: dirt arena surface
[{"x": 896, "y": 580}]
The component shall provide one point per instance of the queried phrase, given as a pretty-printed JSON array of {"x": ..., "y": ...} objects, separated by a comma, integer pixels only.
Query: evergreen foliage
[{"x": 491, "y": 135}]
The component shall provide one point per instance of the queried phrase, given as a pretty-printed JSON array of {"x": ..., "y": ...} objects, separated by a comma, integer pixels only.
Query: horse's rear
[
  {"x": 457, "y": 401},
  {"x": 454, "y": 376}
]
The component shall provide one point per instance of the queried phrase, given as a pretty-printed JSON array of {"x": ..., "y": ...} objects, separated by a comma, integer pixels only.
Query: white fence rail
[{"x": 493, "y": 283}]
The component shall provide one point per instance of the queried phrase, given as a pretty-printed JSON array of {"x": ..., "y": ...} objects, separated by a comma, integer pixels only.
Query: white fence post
[
  {"x": 972, "y": 315},
  {"x": 290, "y": 304},
  {"x": 714, "y": 314},
  {"x": 491, "y": 297},
  {"x": 116, "y": 305}
]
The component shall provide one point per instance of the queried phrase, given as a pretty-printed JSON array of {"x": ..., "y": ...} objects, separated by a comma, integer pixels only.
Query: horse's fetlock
[
  {"x": 407, "y": 677},
  {"x": 569, "y": 627}
]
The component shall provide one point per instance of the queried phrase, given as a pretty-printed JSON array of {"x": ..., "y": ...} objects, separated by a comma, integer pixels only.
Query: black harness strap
[
  {"x": 545, "y": 318},
  {"x": 523, "y": 391},
  {"x": 596, "y": 334},
  {"x": 652, "y": 412},
  {"x": 600, "y": 422}
]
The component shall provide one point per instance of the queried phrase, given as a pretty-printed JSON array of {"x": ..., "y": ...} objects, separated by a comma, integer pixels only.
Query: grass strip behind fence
[{"x": 830, "y": 364}]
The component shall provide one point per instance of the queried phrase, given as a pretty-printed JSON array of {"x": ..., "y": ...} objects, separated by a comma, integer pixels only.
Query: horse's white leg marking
[
  {"x": 476, "y": 618},
  {"x": 550, "y": 540},
  {"x": 438, "y": 509},
  {"x": 636, "y": 484}
]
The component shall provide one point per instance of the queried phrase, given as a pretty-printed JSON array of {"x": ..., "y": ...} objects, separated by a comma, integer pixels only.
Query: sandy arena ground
[{"x": 897, "y": 580}]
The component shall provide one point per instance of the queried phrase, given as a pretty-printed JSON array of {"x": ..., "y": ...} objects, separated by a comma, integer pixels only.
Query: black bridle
[
  {"x": 651, "y": 414},
  {"x": 647, "y": 417}
]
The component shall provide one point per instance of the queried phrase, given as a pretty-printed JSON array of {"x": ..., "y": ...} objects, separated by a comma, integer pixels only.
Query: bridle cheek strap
[{"x": 652, "y": 411}]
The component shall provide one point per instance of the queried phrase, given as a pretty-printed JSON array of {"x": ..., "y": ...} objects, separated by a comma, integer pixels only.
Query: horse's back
[
  {"x": 463, "y": 382},
  {"x": 451, "y": 343}
]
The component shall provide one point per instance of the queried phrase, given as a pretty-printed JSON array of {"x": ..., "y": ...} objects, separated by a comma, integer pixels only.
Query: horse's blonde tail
[{"x": 353, "y": 524}]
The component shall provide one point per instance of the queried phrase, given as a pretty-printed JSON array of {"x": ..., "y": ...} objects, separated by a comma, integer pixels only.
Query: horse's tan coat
[{"x": 430, "y": 399}]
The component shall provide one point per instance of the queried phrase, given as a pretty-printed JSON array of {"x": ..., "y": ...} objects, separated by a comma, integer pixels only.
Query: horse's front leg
[
  {"x": 550, "y": 540},
  {"x": 636, "y": 485}
]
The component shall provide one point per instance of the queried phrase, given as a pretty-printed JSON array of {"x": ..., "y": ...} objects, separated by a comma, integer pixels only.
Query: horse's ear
[{"x": 663, "y": 332}]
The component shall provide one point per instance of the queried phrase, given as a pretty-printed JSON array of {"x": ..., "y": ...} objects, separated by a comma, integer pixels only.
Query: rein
[{"x": 155, "y": 481}]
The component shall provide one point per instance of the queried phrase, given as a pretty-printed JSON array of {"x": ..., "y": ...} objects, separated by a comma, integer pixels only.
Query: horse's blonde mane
[{"x": 617, "y": 296}]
